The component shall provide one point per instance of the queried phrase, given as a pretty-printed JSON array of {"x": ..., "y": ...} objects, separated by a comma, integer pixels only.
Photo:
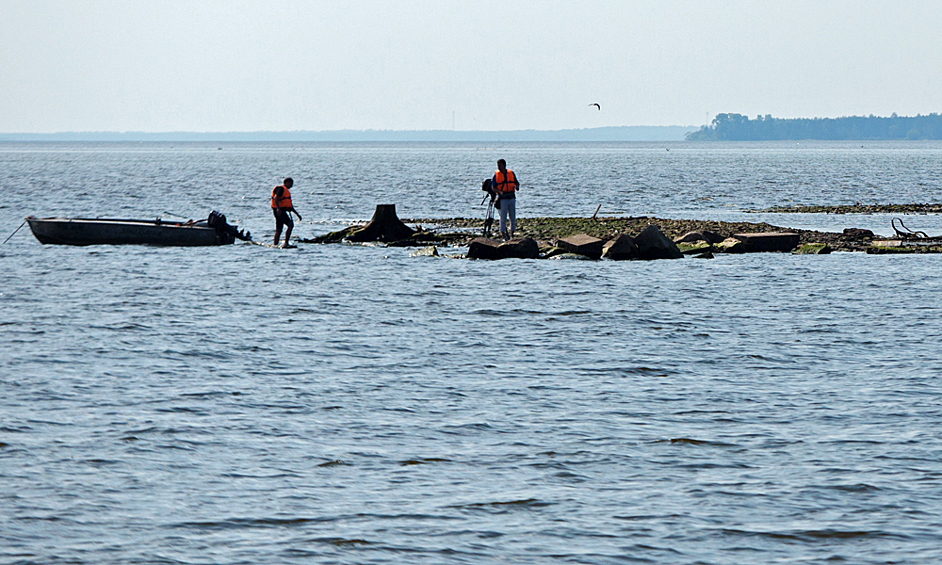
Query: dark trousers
[{"x": 282, "y": 218}]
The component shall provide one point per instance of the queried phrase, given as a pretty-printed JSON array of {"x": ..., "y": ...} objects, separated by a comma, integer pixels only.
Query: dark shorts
[{"x": 282, "y": 218}]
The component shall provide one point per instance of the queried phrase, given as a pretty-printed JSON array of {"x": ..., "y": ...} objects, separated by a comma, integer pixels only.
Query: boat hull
[{"x": 81, "y": 231}]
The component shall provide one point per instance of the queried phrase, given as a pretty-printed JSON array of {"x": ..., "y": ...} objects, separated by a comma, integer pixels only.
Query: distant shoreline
[
  {"x": 737, "y": 127},
  {"x": 619, "y": 133}
]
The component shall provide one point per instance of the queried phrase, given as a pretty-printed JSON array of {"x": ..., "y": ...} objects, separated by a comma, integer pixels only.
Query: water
[{"x": 342, "y": 404}]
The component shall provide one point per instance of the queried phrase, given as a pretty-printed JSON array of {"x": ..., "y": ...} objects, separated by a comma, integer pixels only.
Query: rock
[
  {"x": 768, "y": 241},
  {"x": 653, "y": 244},
  {"x": 430, "y": 251},
  {"x": 705, "y": 255},
  {"x": 891, "y": 250},
  {"x": 856, "y": 234},
  {"x": 690, "y": 237},
  {"x": 712, "y": 237},
  {"x": 582, "y": 244},
  {"x": 526, "y": 248},
  {"x": 813, "y": 249},
  {"x": 695, "y": 247},
  {"x": 551, "y": 252},
  {"x": 620, "y": 248},
  {"x": 887, "y": 243},
  {"x": 693, "y": 236},
  {"x": 484, "y": 248},
  {"x": 730, "y": 245}
]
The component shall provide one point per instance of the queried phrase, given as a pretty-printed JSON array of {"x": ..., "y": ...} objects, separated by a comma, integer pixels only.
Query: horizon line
[
  {"x": 605, "y": 133},
  {"x": 344, "y": 130}
]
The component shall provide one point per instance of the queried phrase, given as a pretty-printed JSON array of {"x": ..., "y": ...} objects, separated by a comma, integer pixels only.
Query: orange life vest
[
  {"x": 284, "y": 201},
  {"x": 505, "y": 183}
]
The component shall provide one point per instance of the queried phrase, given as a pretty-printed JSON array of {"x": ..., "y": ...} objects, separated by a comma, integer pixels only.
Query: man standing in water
[
  {"x": 281, "y": 207},
  {"x": 505, "y": 183}
]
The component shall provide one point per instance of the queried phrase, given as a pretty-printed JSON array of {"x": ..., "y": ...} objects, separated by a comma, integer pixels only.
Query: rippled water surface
[{"x": 345, "y": 404}]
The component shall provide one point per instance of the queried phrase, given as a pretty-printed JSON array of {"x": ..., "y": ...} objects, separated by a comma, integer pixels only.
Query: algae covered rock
[
  {"x": 695, "y": 247},
  {"x": 430, "y": 251},
  {"x": 813, "y": 249},
  {"x": 730, "y": 245},
  {"x": 551, "y": 252}
]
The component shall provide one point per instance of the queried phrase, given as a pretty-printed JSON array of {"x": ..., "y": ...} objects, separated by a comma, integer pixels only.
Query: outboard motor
[{"x": 217, "y": 221}]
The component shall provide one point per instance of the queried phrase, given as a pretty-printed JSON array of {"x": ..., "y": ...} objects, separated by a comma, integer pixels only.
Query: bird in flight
[{"x": 596, "y": 105}]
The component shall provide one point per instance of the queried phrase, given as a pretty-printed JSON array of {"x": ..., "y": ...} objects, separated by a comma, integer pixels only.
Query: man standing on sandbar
[
  {"x": 281, "y": 207},
  {"x": 505, "y": 183}
]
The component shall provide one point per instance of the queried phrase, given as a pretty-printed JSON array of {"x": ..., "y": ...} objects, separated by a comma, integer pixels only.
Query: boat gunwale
[{"x": 157, "y": 222}]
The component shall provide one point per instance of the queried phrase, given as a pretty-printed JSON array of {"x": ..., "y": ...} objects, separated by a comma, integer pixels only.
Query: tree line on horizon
[{"x": 737, "y": 127}]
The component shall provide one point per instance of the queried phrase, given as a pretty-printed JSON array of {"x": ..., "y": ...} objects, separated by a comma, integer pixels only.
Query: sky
[{"x": 282, "y": 65}]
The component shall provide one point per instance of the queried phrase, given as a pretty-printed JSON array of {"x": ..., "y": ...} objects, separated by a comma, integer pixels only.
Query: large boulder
[
  {"x": 582, "y": 244},
  {"x": 484, "y": 248},
  {"x": 621, "y": 248},
  {"x": 524, "y": 248},
  {"x": 653, "y": 244}
]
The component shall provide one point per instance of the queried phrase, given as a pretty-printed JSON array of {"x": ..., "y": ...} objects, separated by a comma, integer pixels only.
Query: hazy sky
[{"x": 276, "y": 65}]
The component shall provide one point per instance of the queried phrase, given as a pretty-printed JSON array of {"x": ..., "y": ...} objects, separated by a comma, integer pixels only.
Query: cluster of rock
[
  {"x": 611, "y": 239},
  {"x": 648, "y": 245}
]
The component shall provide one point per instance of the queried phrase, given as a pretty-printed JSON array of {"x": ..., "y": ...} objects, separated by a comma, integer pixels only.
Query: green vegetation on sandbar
[
  {"x": 858, "y": 208},
  {"x": 548, "y": 229},
  {"x": 551, "y": 229}
]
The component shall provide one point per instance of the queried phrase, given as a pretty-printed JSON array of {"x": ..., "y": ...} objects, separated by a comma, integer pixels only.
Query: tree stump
[{"x": 385, "y": 226}]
